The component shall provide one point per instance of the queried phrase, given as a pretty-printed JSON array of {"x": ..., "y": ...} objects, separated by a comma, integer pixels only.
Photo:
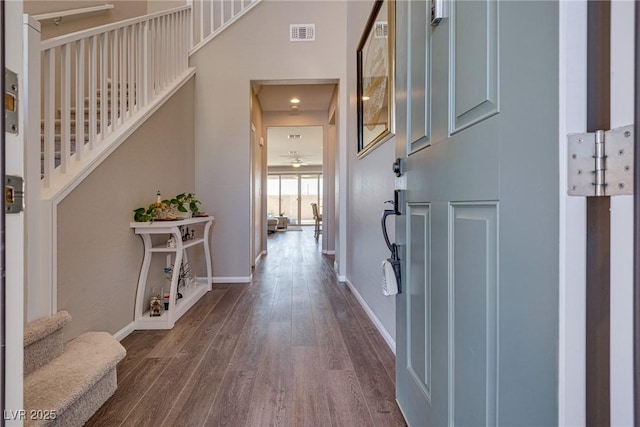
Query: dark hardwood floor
[{"x": 292, "y": 348}]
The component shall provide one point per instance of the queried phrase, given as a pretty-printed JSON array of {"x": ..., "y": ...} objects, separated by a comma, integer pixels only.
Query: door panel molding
[
  {"x": 473, "y": 313},
  {"x": 418, "y": 291},
  {"x": 418, "y": 78},
  {"x": 474, "y": 63}
]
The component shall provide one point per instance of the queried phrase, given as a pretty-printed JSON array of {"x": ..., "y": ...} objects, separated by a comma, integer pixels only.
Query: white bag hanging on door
[{"x": 389, "y": 283}]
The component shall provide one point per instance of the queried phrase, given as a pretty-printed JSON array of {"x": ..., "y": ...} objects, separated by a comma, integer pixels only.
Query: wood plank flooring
[{"x": 292, "y": 348}]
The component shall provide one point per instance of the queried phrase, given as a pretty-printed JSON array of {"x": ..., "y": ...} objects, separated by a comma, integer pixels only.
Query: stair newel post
[
  {"x": 93, "y": 89},
  {"x": 65, "y": 107},
  {"x": 79, "y": 116},
  {"x": 49, "y": 94}
]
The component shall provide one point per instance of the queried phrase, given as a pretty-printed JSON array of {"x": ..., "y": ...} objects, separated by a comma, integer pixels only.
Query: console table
[{"x": 177, "y": 308}]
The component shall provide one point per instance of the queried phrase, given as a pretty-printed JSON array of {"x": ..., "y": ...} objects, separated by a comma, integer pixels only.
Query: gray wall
[
  {"x": 256, "y": 47},
  {"x": 99, "y": 256},
  {"x": 370, "y": 183}
]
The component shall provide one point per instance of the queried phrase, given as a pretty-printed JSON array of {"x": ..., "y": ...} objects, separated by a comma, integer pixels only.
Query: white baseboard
[
  {"x": 376, "y": 322},
  {"x": 124, "y": 332},
  {"x": 232, "y": 279},
  {"x": 259, "y": 257},
  {"x": 329, "y": 252}
]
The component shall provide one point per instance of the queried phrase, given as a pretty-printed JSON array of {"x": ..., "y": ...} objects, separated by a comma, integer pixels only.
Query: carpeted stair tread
[
  {"x": 40, "y": 328},
  {"x": 43, "y": 340},
  {"x": 61, "y": 382}
]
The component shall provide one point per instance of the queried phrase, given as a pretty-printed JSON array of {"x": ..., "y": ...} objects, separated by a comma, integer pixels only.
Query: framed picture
[{"x": 375, "y": 72}]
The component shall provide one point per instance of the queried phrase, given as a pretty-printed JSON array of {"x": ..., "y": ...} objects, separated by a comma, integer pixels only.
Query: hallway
[{"x": 294, "y": 347}]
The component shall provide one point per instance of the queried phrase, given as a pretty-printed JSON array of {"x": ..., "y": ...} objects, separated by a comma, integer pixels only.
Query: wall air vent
[
  {"x": 381, "y": 30},
  {"x": 302, "y": 32}
]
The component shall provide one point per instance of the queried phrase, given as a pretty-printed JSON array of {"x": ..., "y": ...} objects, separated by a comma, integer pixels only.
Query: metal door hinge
[
  {"x": 11, "y": 101},
  {"x": 13, "y": 194},
  {"x": 601, "y": 163}
]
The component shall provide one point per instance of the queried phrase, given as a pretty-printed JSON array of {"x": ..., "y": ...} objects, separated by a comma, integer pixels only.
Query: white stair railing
[
  {"x": 96, "y": 82},
  {"x": 211, "y": 17}
]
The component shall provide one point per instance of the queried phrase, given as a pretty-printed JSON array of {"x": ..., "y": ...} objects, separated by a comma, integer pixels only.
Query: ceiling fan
[{"x": 296, "y": 161}]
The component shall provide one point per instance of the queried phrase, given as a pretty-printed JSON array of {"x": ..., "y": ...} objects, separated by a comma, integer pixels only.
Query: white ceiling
[
  {"x": 282, "y": 150},
  {"x": 313, "y": 97},
  {"x": 285, "y": 151}
]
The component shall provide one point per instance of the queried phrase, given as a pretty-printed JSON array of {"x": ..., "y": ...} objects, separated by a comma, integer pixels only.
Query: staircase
[
  {"x": 58, "y": 123},
  {"x": 65, "y": 384}
]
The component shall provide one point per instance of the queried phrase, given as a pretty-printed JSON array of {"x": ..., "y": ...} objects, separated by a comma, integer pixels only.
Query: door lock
[
  {"x": 13, "y": 194},
  {"x": 397, "y": 167}
]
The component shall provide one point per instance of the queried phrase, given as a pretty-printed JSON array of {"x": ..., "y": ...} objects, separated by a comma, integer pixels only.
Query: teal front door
[{"x": 477, "y": 130}]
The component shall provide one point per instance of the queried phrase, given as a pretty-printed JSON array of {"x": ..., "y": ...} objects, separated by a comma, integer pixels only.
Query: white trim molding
[
  {"x": 232, "y": 279},
  {"x": 125, "y": 332},
  {"x": 376, "y": 322}
]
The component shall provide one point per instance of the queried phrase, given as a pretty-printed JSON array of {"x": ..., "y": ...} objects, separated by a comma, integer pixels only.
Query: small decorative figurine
[
  {"x": 171, "y": 243},
  {"x": 155, "y": 308}
]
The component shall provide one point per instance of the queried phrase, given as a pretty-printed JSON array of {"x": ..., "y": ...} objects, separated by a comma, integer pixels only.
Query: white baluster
[
  {"x": 132, "y": 68},
  {"x": 115, "y": 82},
  {"x": 93, "y": 90},
  {"x": 146, "y": 62},
  {"x": 80, "y": 68},
  {"x": 49, "y": 94},
  {"x": 123, "y": 75},
  {"x": 221, "y": 13},
  {"x": 152, "y": 62},
  {"x": 104, "y": 114},
  {"x": 211, "y": 17},
  {"x": 202, "y": 35},
  {"x": 140, "y": 68},
  {"x": 65, "y": 107},
  {"x": 163, "y": 53}
]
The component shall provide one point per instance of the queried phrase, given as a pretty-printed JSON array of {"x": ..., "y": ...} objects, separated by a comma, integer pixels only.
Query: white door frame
[
  {"x": 572, "y": 271},
  {"x": 621, "y": 299},
  {"x": 15, "y": 223},
  {"x": 572, "y": 280}
]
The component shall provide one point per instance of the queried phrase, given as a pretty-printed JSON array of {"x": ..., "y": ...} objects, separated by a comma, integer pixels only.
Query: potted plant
[{"x": 185, "y": 204}]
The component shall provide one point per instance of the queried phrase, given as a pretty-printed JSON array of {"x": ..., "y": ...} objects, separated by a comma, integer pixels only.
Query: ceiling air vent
[
  {"x": 302, "y": 32},
  {"x": 381, "y": 30}
]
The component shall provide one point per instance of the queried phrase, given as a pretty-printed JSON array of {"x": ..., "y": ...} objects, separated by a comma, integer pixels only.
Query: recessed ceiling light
[
  {"x": 296, "y": 165},
  {"x": 365, "y": 98},
  {"x": 294, "y": 101}
]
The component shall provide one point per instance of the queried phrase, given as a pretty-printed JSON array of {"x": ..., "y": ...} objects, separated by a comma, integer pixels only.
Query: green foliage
[
  {"x": 183, "y": 202},
  {"x": 186, "y": 202},
  {"x": 142, "y": 215}
]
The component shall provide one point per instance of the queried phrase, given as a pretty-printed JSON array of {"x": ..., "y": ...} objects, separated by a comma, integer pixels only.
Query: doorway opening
[
  {"x": 294, "y": 174},
  {"x": 296, "y": 127}
]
